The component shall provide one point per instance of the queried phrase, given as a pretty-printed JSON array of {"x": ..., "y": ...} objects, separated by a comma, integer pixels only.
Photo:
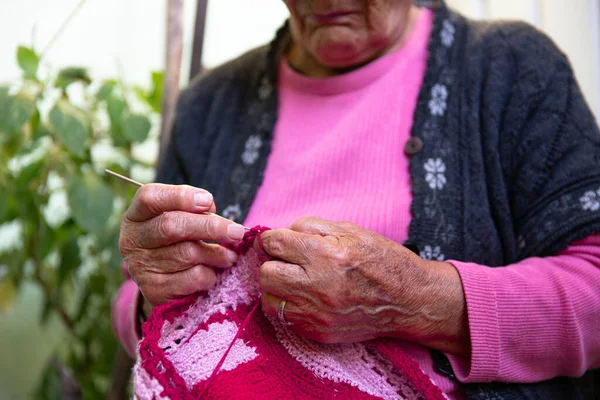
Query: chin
[
  {"x": 335, "y": 47},
  {"x": 343, "y": 55}
]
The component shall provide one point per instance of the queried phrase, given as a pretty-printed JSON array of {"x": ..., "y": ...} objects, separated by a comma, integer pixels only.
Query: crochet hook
[{"x": 134, "y": 182}]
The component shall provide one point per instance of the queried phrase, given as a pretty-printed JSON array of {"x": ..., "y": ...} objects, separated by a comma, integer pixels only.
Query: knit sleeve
[
  {"x": 125, "y": 320},
  {"x": 554, "y": 157},
  {"x": 535, "y": 319}
]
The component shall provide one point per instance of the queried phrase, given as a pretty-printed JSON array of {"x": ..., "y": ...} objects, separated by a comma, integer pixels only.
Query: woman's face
[{"x": 344, "y": 33}]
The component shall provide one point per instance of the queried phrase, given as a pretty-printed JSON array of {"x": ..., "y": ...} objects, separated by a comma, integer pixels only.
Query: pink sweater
[{"x": 342, "y": 141}]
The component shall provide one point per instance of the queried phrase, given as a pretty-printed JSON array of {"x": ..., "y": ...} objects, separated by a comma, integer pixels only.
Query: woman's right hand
[{"x": 162, "y": 241}]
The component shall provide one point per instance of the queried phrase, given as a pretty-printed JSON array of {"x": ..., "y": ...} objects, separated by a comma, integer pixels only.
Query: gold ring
[{"x": 280, "y": 312}]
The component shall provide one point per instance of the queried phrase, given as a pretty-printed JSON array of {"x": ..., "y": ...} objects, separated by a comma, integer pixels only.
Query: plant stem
[
  {"x": 57, "y": 307},
  {"x": 62, "y": 27},
  {"x": 67, "y": 321},
  {"x": 121, "y": 375}
]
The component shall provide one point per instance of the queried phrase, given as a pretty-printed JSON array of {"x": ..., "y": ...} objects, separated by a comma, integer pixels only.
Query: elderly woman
[{"x": 468, "y": 143}]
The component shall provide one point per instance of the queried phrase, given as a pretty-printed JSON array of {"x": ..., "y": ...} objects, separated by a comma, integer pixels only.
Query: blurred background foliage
[{"x": 60, "y": 214}]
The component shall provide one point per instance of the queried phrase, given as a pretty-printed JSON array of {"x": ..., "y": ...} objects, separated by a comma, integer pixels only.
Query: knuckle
[
  {"x": 210, "y": 279},
  {"x": 206, "y": 277},
  {"x": 274, "y": 244},
  {"x": 181, "y": 195},
  {"x": 169, "y": 224},
  {"x": 131, "y": 269},
  {"x": 136, "y": 267},
  {"x": 124, "y": 244},
  {"x": 212, "y": 227},
  {"x": 190, "y": 252},
  {"x": 128, "y": 239},
  {"x": 220, "y": 253},
  {"x": 159, "y": 280},
  {"x": 136, "y": 272},
  {"x": 347, "y": 225},
  {"x": 340, "y": 254},
  {"x": 146, "y": 195},
  {"x": 302, "y": 223},
  {"x": 326, "y": 321},
  {"x": 264, "y": 274}
]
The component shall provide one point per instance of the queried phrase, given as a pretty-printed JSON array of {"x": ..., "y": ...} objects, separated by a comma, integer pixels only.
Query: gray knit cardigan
[{"x": 509, "y": 167}]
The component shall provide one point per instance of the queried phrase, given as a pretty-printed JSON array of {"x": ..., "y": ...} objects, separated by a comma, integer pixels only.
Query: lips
[{"x": 330, "y": 18}]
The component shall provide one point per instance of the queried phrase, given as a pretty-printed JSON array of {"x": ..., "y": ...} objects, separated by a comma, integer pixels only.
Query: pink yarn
[
  {"x": 241, "y": 248},
  {"x": 272, "y": 362}
]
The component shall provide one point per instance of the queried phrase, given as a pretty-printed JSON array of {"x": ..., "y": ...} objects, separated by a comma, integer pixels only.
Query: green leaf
[
  {"x": 8, "y": 207},
  {"x": 4, "y": 207},
  {"x": 28, "y": 174},
  {"x": 46, "y": 311},
  {"x": 70, "y": 259},
  {"x": 84, "y": 302},
  {"x": 116, "y": 108},
  {"x": 8, "y": 294},
  {"x": 28, "y": 61},
  {"x": 156, "y": 93},
  {"x": 98, "y": 284},
  {"x": 15, "y": 111},
  {"x": 14, "y": 261},
  {"x": 41, "y": 131},
  {"x": 91, "y": 202},
  {"x": 46, "y": 240},
  {"x": 70, "y": 126},
  {"x": 50, "y": 387},
  {"x": 71, "y": 75},
  {"x": 135, "y": 127},
  {"x": 106, "y": 90}
]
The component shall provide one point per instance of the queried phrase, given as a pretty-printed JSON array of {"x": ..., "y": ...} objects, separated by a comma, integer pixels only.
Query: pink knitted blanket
[{"x": 220, "y": 345}]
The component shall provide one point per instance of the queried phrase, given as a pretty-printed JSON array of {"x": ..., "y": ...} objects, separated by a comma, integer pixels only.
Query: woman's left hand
[{"x": 344, "y": 283}]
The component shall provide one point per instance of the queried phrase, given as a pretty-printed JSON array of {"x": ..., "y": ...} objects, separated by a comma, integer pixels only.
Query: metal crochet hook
[{"x": 134, "y": 182}]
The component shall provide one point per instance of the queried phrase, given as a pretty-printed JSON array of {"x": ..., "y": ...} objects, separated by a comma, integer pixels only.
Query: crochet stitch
[{"x": 217, "y": 344}]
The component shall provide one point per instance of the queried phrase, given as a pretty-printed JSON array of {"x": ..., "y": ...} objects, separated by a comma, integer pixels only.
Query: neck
[{"x": 301, "y": 60}]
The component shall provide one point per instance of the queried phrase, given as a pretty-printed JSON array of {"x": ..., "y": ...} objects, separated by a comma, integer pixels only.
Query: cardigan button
[{"x": 413, "y": 146}]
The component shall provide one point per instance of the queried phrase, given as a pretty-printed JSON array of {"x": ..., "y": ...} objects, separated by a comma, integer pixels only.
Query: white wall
[
  {"x": 104, "y": 34},
  {"x": 126, "y": 37}
]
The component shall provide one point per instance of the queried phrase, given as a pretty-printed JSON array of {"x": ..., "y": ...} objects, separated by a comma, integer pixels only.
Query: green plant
[{"x": 60, "y": 214}]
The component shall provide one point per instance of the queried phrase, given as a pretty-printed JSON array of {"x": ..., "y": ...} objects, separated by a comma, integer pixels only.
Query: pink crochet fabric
[{"x": 219, "y": 344}]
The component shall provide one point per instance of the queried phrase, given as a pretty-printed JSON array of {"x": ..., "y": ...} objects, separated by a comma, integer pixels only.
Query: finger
[
  {"x": 161, "y": 288},
  {"x": 319, "y": 226},
  {"x": 176, "y": 226},
  {"x": 181, "y": 256},
  {"x": 270, "y": 303},
  {"x": 290, "y": 246},
  {"x": 154, "y": 199},
  {"x": 281, "y": 279}
]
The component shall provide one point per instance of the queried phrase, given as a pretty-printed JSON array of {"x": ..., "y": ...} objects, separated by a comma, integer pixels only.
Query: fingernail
[
  {"x": 203, "y": 199},
  {"x": 235, "y": 232},
  {"x": 232, "y": 255}
]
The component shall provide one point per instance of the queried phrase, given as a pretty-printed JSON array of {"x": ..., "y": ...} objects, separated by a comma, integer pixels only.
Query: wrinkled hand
[
  {"x": 162, "y": 236},
  {"x": 344, "y": 283}
]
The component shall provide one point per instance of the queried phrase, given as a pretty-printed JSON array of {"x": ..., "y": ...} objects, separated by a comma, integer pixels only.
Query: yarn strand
[
  {"x": 241, "y": 248},
  {"x": 236, "y": 337}
]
